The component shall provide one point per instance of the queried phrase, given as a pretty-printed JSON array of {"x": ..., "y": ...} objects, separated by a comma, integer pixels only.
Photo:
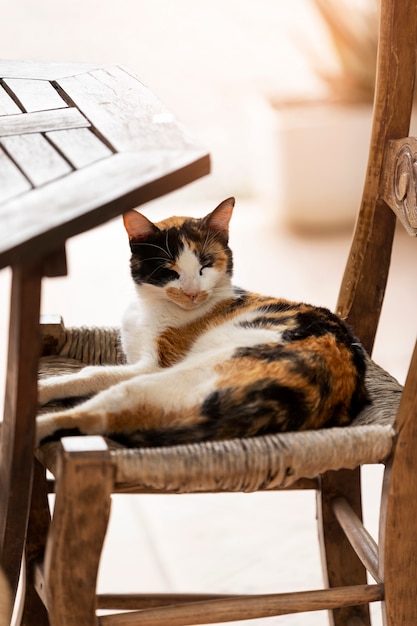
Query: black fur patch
[
  {"x": 265, "y": 321},
  {"x": 281, "y": 306},
  {"x": 268, "y": 352},
  {"x": 160, "y": 437},
  {"x": 316, "y": 322},
  {"x": 266, "y": 405},
  {"x": 62, "y": 432},
  {"x": 152, "y": 257}
]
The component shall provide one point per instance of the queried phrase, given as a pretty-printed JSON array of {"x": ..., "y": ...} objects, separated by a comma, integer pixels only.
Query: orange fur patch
[
  {"x": 171, "y": 222},
  {"x": 181, "y": 298},
  {"x": 239, "y": 373},
  {"x": 174, "y": 343},
  {"x": 220, "y": 263},
  {"x": 150, "y": 417}
]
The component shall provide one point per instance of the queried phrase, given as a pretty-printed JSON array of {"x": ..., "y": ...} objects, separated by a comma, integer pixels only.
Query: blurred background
[
  {"x": 280, "y": 93},
  {"x": 237, "y": 73}
]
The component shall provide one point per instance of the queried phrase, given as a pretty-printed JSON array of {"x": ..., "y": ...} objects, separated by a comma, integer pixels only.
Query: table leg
[{"x": 18, "y": 430}]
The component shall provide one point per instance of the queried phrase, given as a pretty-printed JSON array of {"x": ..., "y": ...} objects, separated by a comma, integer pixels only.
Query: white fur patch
[{"x": 190, "y": 280}]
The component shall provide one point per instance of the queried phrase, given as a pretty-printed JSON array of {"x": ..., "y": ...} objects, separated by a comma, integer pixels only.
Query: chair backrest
[
  {"x": 390, "y": 192},
  {"x": 389, "y": 185}
]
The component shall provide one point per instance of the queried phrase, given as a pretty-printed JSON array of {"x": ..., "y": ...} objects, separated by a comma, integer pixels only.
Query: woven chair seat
[{"x": 251, "y": 464}]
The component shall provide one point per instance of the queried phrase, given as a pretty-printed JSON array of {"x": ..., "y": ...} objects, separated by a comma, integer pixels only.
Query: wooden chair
[{"x": 62, "y": 555}]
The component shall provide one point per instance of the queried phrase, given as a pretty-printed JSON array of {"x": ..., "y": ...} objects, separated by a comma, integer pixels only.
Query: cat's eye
[
  {"x": 203, "y": 267},
  {"x": 167, "y": 274}
]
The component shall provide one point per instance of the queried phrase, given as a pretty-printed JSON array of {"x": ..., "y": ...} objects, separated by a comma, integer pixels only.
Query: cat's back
[
  {"x": 266, "y": 350},
  {"x": 254, "y": 322}
]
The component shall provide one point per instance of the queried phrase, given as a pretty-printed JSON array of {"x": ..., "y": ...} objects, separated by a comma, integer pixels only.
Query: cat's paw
[
  {"x": 45, "y": 391},
  {"x": 55, "y": 388},
  {"x": 81, "y": 384},
  {"x": 53, "y": 426}
]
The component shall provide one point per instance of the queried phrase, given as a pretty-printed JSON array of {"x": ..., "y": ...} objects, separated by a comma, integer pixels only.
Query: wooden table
[{"x": 79, "y": 144}]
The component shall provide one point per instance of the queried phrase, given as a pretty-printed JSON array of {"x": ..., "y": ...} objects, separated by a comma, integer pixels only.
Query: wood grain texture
[
  {"x": 361, "y": 541},
  {"x": 7, "y": 105},
  {"x": 49, "y": 70},
  {"x": 246, "y": 607},
  {"x": 33, "y": 610},
  {"x": 363, "y": 286},
  {"x": 84, "y": 479},
  {"x": 399, "y": 513},
  {"x": 36, "y": 157},
  {"x": 399, "y": 181},
  {"x": 18, "y": 429},
  {"x": 109, "y": 98},
  {"x": 34, "y": 95},
  {"x": 138, "y": 601},
  {"x": 42, "y": 121},
  {"x": 340, "y": 563},
  {"x": 80, "y": 146},
  {"x": 12, "y": 181}
]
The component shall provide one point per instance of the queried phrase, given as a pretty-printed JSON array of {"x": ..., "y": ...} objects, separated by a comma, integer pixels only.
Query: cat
[{"x": 207, "y": 360}]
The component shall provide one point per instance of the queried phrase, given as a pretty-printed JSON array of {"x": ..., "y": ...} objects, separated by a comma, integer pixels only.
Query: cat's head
[{"x": 186, "y": 260}]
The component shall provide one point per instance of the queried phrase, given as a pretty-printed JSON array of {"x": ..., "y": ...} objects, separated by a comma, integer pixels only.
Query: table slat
[
  {"x": 12, "y": 181},
  {"x": 133, "y": 151},
  {"x": 124, "y": 111},
  {"x": 43, "y": 70},
  {"x": 35, "y": 95},
  {"x": 36, "y": 157},
  {"x": 80, "y": 146},
  {"x": 42, "y": 121},
  {"x": 7, "y": 105}
]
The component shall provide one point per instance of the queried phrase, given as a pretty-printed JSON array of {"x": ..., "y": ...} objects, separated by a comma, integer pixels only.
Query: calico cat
[{"x": 207, "y": 360}]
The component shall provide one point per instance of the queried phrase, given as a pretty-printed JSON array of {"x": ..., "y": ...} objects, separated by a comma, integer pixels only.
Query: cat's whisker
[
  {"x": 156, "y": 258},
  {"x": 154, "y": 245},
  {"x": 167, "y": 246},
  {"x": 152, "y": 273}
]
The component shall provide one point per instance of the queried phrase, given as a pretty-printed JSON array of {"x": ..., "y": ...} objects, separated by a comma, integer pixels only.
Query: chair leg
[
  {"x": 84, "y": 480},
  {"x": 33, "y": 611},
  {"x": 398, "y": 549},
  {"x": 398, "y": 546},
  {"x": 341, "y": 566}
]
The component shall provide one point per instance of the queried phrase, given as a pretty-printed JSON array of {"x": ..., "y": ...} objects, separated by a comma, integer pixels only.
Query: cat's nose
[{"x": 192, "y": 294}]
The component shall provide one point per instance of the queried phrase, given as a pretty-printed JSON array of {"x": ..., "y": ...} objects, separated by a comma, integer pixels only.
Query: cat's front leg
[
  {"x": 96, "y": 415},
  {"x": 67, "y": 423},
  {"x": 89, "y": 380}
]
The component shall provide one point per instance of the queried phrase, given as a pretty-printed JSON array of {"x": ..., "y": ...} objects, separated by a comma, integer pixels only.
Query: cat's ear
[
  {"x": 138, "y": 226},
  {"x": 218, "y": 220}
]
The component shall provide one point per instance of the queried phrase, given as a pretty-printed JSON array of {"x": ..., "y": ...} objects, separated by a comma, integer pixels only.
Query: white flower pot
[{"x": 322, "y": 152}]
